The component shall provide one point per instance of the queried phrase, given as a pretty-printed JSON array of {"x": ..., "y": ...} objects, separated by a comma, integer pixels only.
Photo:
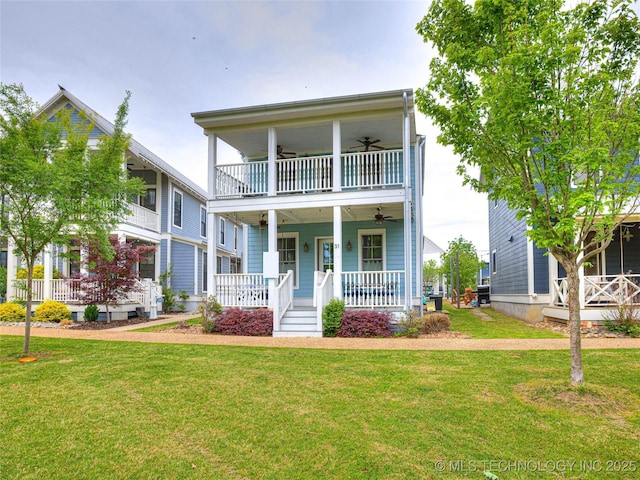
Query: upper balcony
[
  {"x": 311, "y": 174},
  {"x": 143, "y": 218}
]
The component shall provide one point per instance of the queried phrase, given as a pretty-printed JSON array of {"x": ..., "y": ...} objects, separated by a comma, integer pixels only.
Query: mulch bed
[{"x": 103, "y": 325}]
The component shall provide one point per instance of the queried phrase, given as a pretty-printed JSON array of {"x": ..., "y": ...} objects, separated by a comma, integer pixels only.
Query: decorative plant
[
  {"x": 331, "y": 317},
  {"x": 169, "y": 297},
  {"x": 91, "y": 313},
  {"x": 244, "y": 322},
  {"x": 210, "y": 308},
  {"x": 365, "y": 323},
  {"x": 3, "y": 281},
  {"x": 11, "y": 312},
  {"x": 51, "y": 311},
  {"x": 111, "y": 279}
]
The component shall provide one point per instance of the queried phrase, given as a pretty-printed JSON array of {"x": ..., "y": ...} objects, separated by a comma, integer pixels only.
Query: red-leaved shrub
[
  {"x": 365, "y": 323},
  {"x": 255, "y": 323}
]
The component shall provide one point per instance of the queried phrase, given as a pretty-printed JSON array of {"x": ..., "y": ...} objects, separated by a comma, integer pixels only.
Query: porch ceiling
[
  {"x": 306, "y": 127},
  {"x": 352, "y": 213}
]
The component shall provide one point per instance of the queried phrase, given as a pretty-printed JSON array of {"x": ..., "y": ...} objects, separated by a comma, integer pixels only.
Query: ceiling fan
[
  {"x": 379, "y": 217},
  {"x": 282, "y": 154},
  {"x": 367, "y": 143}
]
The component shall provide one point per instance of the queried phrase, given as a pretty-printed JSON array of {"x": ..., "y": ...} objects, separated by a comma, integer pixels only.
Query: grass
[
  {"x": 155, "y": 328},
  {"x": 497, "y": 326},
  {"x": 111, "y": 410}
]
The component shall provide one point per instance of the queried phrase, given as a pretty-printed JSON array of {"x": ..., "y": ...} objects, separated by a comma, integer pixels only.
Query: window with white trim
[
  {"x": 177, "y": 208},
  {"x": 203, "y": 222},
  {"x": 372, "y": 250},
  {"x": 223, "y": 224},
  {"x": 494, "y": 267}
]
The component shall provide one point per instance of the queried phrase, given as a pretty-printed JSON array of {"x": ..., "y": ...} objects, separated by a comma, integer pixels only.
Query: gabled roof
[
  {"x": 135, "y": 148},
  {"x": 429, "y": 247}
]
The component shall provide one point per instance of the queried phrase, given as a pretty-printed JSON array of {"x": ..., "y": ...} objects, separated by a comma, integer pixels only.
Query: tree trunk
[
  {"x": 573, "y": 283},
  {"x": 27, "y": 319}
]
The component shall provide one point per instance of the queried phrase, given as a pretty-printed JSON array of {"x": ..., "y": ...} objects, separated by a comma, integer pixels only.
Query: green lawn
[
  {"x": 498, "y": 326},
  {"x": 112, "y": 410}
]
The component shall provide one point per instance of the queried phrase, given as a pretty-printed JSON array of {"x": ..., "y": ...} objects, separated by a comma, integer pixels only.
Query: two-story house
[
  {"x": 530, "y": 284},
  {"x": 170, "y": 214},
  {"x": 331, "y": 193}
]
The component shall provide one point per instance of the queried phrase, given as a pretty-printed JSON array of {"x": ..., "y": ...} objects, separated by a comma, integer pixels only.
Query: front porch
[
  {"x": 600, "y": 297},
  {"x": 303, "y": 315},
  {"x": 144, "y": 296}
]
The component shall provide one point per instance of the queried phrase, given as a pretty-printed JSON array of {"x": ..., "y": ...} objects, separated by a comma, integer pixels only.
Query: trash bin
[
  {"x": 483, "y": 295},
  {"x": 437, "y": 299}
]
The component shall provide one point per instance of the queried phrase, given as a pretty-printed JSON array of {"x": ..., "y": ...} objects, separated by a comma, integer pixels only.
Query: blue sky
[{"x": 178, "y": 57}]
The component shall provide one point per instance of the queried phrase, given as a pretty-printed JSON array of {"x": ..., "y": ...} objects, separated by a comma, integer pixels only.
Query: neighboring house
[
  {"x": 170, "y": 214},
  {"x": 331, "y": 193},
  {"x": 531, "y": 285}
]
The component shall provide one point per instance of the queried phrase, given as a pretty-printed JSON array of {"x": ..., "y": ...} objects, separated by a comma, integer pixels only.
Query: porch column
[
  {"x": 211, "y": 217},
  {"x": 271, "y": 259},
  {"x": 213, "y": 163},
  {"x": 337, "y": 251},
  {"x": 12, "y": 268},
  {"x": 212, "y": 241},
  {"x": 48, "y": 273},
  {"x": 408, "y": 247},
  {"x": 272, "y": 146},
  {"x": 337, "y": 150}
]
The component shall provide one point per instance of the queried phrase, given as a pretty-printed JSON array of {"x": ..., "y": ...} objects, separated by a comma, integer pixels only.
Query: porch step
[{"x": 298, "y": 322}]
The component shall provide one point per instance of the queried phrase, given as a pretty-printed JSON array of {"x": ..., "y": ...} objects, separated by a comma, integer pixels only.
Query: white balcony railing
[
  {"x": 601, "y": 291},
  {"x": 372, "y": 169},
  {"x": 143, "y": 217},
  {"x": 311, "y": 174}
]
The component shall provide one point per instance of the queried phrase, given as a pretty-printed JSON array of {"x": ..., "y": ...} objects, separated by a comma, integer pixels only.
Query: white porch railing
[
  {"x": 241, "y": 180},
  {"x": 311, "y": 174},
  {"x": 70, "y": 291},
  {"x": 372, "y": 169},
  {"x": 601, "y": 291},
  {"x": 322, "y": 292},
  {"x": 283, "y": 299},
  {"x": 241, "y": 290},
  {"x": 143, "y": 217},
  {"x": 373, "y": 289}
]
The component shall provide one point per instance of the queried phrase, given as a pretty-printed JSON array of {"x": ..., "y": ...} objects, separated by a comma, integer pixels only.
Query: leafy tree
[
  {"x": 53, "y": 186},
  {"x": 462, "y": 254},
  {"x": 544, "y": 99},
  {"x": 431, "y": 272},
  {"x": 112, "y": 277}
]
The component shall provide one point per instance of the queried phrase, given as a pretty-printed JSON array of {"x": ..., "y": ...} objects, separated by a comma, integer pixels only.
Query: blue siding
[
  {"x": 258, "y": 243},
  {"x": 148, "y": 176},
  {"x": 540, "y": 270},
  {"x": 507, "y": 236},
  {"x": 76, "y": 120},
  {"x": 182, "y": 259}
]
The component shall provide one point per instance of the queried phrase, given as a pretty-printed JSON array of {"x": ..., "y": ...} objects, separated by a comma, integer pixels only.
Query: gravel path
[{"x": 124, "y": 334}]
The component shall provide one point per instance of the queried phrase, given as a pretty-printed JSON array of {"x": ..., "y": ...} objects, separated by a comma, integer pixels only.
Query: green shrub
[
  {"x": 332, "y": 316},
  {"x": 365, "y": 324},
  {"x": 51, "y": 311},
  {"x": 11, "y": 312},
  {"x": 210, "y": 308},
  {"x": 91, "y": 313}
]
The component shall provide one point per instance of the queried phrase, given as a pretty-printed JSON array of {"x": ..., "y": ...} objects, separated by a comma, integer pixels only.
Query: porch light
[
  {"x": 627, "y": 234},
  {"x": 348, "y": 245},
  {"x": 306, "y": 247}
]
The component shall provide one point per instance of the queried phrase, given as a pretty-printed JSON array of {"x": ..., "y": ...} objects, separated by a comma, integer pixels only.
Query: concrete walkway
[{"x": 124, "y": 334}]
